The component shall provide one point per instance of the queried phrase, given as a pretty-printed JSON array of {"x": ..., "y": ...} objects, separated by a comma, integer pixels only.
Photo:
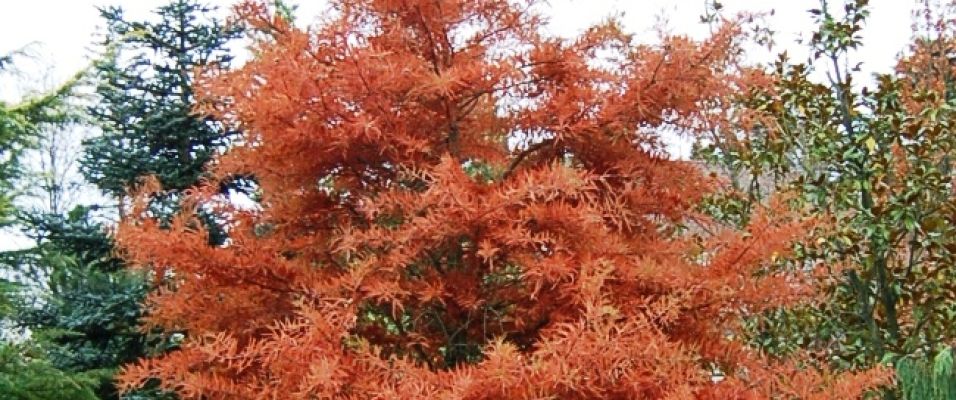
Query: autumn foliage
[{"x": 454, "y": 205}]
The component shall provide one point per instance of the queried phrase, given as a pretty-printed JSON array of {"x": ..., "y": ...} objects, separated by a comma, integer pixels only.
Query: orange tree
[{"x": 453, "y": 205}]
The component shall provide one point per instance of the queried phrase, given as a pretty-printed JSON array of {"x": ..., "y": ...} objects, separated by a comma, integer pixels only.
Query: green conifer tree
[{"x": 146, "y": 107}]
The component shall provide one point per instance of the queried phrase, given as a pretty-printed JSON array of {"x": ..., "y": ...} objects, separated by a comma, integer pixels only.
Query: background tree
[
  {"x": 25, "y": 370},
  {"x": 456, "y": 206},
  {"x": 20, "y": 125},
  {"x": 88, "y": 307},
  {"x": 146, "y": 101},
  {"x": 877, "y": 163}
]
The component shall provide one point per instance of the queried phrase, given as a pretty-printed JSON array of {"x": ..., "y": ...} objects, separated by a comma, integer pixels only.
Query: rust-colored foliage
[{"x": 454, "y": 206}]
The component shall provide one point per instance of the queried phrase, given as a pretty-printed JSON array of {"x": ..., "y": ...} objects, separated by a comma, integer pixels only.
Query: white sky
[
  {"x": 65, "y": 29},
  {"x": 62, "y": 32}
]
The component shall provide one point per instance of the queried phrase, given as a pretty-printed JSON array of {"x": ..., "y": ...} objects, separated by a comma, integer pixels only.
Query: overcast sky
[
  {"x": 61, "y": 33},
  {"x": 64, "y": 30}
]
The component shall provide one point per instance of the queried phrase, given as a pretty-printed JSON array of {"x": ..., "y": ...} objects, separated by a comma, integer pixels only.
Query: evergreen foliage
[
  {"x": 927, "y": 379},
  {"x": 25, "y": 374},
  {"x": 874, "y": 162},
  {"x": 26, "y": 371},
  {"x": 88, "y": 311},
  {"x": 19, "y": 125},
  {"x": 146, "y": 105}
]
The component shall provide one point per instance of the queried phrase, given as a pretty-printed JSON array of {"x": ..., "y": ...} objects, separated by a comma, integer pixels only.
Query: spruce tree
[
  {"x": 146, "y": 98},
  {"x": 88, "y": 307}
]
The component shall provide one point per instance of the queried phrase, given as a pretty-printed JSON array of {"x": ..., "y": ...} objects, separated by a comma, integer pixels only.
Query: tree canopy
[
  {"x": 454, "y": 205},
  {"x": 875, "y": 162}
]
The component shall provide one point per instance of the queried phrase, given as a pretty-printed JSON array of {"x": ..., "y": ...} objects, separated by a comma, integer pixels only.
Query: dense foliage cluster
[
  {"x": 876, "y": 164},
  {"x": 453, "y": 205}
]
